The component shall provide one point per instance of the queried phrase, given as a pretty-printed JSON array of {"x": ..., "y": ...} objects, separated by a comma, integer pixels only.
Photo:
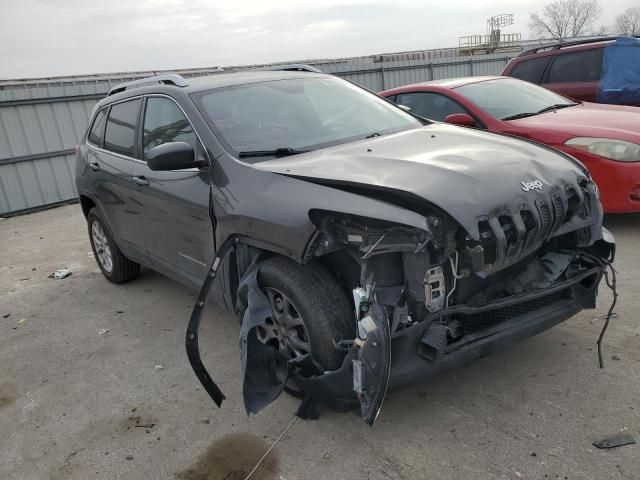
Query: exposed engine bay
[{"x": 422, "y": 273}]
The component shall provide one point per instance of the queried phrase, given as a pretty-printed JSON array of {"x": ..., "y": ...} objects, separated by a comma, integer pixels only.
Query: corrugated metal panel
[
  {"x": 37, "y": 130},
  {"x": 41, "y": 128},
  {"x": 33, "y": 184},
  {"x": 41, "y": 120}
]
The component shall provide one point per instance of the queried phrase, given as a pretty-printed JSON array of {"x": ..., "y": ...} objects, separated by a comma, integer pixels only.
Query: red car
[
  {"x": 606, "y": 138},
  {"x": 602, "y": 70}
]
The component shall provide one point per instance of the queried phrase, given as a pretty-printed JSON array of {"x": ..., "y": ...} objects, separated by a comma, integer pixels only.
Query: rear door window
[
  {"x": 430, "y": 105},
  {"x": 584, "y": 66},
  {"x": 530, "y": 70},
  {"x": 164, "y": 122},
  {"x": 120, "y": 135},
  {"x": 97, "y": 130}
]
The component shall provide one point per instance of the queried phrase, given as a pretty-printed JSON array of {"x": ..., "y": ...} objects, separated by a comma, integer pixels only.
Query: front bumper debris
[
  {"x": 413, "y": 353},
  {"x": 412, "y": 349}
]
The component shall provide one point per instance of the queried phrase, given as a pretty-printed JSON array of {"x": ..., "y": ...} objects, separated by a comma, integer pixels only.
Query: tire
[
  {"x": 326, "y": 314},
  {"x": 119, "y": 268}
]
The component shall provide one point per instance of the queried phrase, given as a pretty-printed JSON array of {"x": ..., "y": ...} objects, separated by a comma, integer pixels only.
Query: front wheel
[
  {"x": 310, "y": 312},
  {"x": 114, "y": 265}
]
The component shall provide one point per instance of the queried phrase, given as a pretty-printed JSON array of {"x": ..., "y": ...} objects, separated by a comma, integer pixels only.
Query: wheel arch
[
  {"x": 86, "y": 203},
  {"x": 89, "y": 201},
  {"x": 250, "y": 250}
]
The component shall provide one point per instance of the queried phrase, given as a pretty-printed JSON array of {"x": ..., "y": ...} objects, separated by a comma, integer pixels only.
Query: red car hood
[{"x": 588, "y": 120}]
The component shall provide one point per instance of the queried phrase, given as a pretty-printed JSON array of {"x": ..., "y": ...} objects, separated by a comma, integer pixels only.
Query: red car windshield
[{"x": 509, "y": 98}]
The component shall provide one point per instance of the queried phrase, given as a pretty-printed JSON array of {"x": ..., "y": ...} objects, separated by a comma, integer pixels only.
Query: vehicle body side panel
[
  {"x": 272, "y": 210},
  {"x": 174, "y": 212},
  {"x": 114, "y": 190},
  {"x": 580, "y": 91}
]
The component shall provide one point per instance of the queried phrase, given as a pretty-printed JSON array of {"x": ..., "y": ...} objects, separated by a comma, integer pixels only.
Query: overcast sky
[{"x": 61, "y": 37}]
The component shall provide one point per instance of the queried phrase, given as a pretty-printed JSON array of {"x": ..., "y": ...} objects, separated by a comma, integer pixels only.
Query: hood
[
  {"x": 588, "y": 120},
  {"x": 466, "y": 173}
]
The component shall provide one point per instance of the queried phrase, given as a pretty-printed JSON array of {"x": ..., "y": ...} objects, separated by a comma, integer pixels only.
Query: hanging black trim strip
[{"x": 191, "y": 341}]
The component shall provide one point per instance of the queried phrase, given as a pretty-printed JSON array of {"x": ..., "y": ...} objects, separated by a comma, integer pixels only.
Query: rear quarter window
[
  {"x": 584, "y": 66},
  {"x": 530, "y": 70},
  {"x": 96, "y": 134}
]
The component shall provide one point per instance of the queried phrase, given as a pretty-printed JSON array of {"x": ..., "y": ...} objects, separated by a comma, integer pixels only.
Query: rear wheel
[
  {"x": 310, "y": 313},
  {"x": 114, "y": 265}
]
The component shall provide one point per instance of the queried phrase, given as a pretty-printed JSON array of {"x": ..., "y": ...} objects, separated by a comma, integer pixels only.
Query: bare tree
[
  {"x": 602, "y": 31},
  {"x": 565, "y": 18},
  {"x": 628, "y": 23}
]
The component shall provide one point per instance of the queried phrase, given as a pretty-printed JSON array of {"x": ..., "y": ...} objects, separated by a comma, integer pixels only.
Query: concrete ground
[{"x": 77, "y": 404}]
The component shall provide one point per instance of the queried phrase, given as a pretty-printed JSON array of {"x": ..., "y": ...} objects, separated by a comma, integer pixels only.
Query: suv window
[
  {"x": 300, "y": 113},
  {"x": 97, "y": 130},
  {"x": 530, "y": 70},
  {"x": 585, "y": 66},
  {"x": 164, "y": 122},
  {"x": 120, "y": 136},
  {"x": 430, "y": 105}
]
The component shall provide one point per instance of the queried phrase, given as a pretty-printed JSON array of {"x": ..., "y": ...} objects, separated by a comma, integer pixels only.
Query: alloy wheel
[
  {"x": 285, "y": 328},
  {"x": 101, "y": 245}
]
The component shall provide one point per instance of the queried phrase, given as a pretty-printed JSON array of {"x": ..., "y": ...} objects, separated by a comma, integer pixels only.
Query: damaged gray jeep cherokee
[{"x": 362, "y": 247}]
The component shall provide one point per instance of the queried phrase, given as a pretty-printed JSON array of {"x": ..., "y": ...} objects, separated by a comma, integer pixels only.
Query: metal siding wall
[
  {"x": 489, "y": 68},
  {"x": 42, "y": 128},
  {"x": 404, "y": 72},
  {"x": 39, "y": 129},
  {"x": 35, "y": 183},
  {"x": 44, "y": 121}
]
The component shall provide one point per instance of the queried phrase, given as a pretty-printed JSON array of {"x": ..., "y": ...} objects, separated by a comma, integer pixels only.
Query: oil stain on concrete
[
  {"x": 8, "y": 395},
  {"x": 232, "y": 458}
]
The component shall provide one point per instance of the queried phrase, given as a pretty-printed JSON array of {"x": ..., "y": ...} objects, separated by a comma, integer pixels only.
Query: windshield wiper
[
  {"x": 556, "y": 107},
  {"x": 278, "y": 152},
  {"x": 545, "y": 109},
  {"x": 520, "y": 115},
  {"x": 374, "y": 134}
]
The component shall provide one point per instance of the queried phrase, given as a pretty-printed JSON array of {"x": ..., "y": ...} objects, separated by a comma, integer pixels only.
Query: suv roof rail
[
  {"x": 293, "y": 67},
  {"x": 559, "y": 45},
  {"x": 167, "y": 79}
]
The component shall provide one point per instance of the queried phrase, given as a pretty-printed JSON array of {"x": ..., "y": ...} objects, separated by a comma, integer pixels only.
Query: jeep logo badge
[{"x": 529, "y": 186}]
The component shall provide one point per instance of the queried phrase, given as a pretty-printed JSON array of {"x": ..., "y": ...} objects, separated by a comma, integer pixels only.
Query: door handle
[
  {"x": 95, "y": 166},
  {"x": 142, "y": 181}
]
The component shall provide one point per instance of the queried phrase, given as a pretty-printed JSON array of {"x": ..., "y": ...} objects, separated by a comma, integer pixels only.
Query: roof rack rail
[
  {"x": 167, "y": 79},
  {"x": 559, "y": 45},
  {"x": 292, "y": 67}
]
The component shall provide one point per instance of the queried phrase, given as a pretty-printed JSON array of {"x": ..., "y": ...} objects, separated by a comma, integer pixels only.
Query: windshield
[
  {"x": 298, "y": 114},
  {"x": 507, "y": 97}
]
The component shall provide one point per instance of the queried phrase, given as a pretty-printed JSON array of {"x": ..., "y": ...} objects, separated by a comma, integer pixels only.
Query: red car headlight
[{"x": 608, "y": 148}]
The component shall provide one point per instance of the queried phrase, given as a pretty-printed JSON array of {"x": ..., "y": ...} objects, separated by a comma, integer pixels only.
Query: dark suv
[
  {"x": 603, "y": 70},
  {"x": 370, "y": 247}
]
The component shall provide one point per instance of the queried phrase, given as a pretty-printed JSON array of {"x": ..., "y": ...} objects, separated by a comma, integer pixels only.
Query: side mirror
[
  {"x": 462, "y": 119},
  {"x": 173, "y": 156}
]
